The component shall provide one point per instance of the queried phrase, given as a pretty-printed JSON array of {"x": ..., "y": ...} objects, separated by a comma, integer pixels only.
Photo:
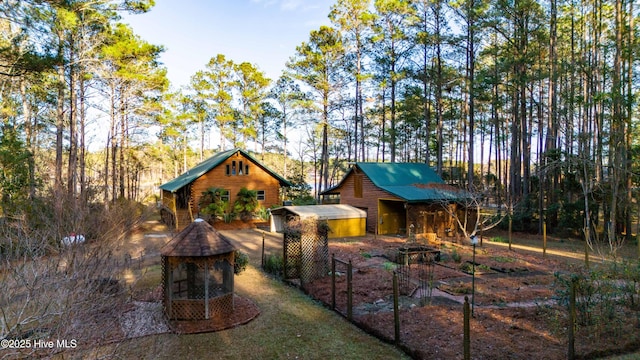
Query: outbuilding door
[{"x": 392, "y": 217}]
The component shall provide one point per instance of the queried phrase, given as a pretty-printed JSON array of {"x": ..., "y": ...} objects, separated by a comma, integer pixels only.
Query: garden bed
[{"x": 516, "y": 312}]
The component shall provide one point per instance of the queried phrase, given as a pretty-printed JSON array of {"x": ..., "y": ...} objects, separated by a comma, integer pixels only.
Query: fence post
[
  {"x": 396, "y": 312},
  {"x": 572, "y": 321},
  {"x": 467, "y": 329},
  {"x": 333, "y": 281},
  {"x": 349, "y": 291},
  {"x": 262, "y": 263}
]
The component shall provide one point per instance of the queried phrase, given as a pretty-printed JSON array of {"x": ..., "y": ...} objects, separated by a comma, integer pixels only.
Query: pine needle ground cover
[
  {"x": 518, "y": 313},
  {"x": 521, "y": 299}
]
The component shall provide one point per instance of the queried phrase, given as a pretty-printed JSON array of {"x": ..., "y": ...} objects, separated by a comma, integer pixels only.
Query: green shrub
[
  {"x": 228, "y": 217},
  {"x": 241, "y": 262},
  {"x": 466, "y": 267},
  {"x": 389, "y": 266},
  {"x": 212, "y": 203},
  {"x": 597, "y": 297},
  {"x": 263, "y": 213},
  {"x": 246, "y": 203},
  {"x": 273, "y": 264},
  {"x": 455, "y": 256}
]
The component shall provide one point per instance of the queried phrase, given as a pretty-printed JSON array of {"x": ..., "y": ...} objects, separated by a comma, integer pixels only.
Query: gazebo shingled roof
[{"x": 198, "y": 239}]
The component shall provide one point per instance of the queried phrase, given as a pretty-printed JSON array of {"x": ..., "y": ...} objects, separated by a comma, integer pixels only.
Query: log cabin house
[
  {"x": 398, "y": 195},
  {"x": 229, "y": 170}
]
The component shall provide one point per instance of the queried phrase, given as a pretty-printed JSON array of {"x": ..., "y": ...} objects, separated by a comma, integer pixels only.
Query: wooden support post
[
  {"x": 473, "y": 280},
  {"x": 467, "y": 329},
  {"x": 262, "y": 250},
  {"x": 349, "y": 291},
  {"x": 396, "y": 311},
  {"x": 571, "y": 353}
]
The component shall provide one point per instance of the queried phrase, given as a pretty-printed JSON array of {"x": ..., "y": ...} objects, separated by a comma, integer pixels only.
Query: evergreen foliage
[
  {"x": 531, "y": 104},
  {"x": 246, "y": 203}
]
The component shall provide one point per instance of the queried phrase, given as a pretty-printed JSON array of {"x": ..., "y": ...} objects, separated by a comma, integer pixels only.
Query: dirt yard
[{"x": 516, "y": 312}]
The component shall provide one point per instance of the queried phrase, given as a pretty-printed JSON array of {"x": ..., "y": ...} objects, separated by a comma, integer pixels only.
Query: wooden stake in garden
[
  {"x": 467, "y": 329},
  {"x": 571, "y": 354},
  {"x": 262, "y": 250},
  {"x": 350, "y": 290}
]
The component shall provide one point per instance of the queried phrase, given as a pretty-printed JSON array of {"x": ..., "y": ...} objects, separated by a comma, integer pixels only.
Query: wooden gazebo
[{"x": 197, "y": 274}]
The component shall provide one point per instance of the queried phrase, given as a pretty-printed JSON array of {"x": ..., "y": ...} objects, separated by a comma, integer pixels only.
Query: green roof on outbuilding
[
  {"x": 413, "y": 182},
  {"x": 399, "y": 174},
  {"x": 204, "y": 167}
]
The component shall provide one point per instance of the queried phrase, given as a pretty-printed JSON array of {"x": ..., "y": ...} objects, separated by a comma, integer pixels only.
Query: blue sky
[{"x": 262, "y": 32}]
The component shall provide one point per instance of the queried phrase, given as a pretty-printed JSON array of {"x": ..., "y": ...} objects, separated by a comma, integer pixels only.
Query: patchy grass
[
  {"x": 143, "y": 281},
  {"x": 499, "y": 239},
  {"x": 571, "y": 250},
  {"x": 290, "y": 326}
]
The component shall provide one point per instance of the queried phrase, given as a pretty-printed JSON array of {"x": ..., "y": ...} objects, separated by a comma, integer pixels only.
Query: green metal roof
[
  {"x": 413, "y": 182},
  {"x": 205, "y": 166},
  {"x": 399, "y": 174}
]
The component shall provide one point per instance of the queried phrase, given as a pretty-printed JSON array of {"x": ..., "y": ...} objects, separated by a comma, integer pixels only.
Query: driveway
[
  {"x": 249, "y": 241},
  {"x": 147, "y": 243}
]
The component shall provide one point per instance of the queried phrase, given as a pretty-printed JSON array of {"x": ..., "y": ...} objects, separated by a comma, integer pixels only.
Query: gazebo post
[
  {"x": 229, "y": 277},
  {"x": 206, "y": 290}
]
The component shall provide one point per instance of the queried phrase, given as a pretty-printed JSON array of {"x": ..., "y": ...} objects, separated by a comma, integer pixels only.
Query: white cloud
[{"x": 290, "y": 5}]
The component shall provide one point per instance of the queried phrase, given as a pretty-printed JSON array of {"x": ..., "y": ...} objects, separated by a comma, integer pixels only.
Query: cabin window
[
  {"x": 224, "y": 195},
  {"x": 228, "y": 172},
  {"x": 357, "y": 186},
  {"x": 246, "y": 169},
  {"x": 260, "y": 195},
  {"x": 233, "y": 167},
  {"x": 240, "y": 169}
]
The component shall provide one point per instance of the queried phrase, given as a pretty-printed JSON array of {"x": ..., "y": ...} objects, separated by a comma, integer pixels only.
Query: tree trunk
[
  {"x": 29, "y": 135},
  {"x": 73, "y": 135},
  {"x": 59, "y": 125},
  {"x": 470, "y": 91}
]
